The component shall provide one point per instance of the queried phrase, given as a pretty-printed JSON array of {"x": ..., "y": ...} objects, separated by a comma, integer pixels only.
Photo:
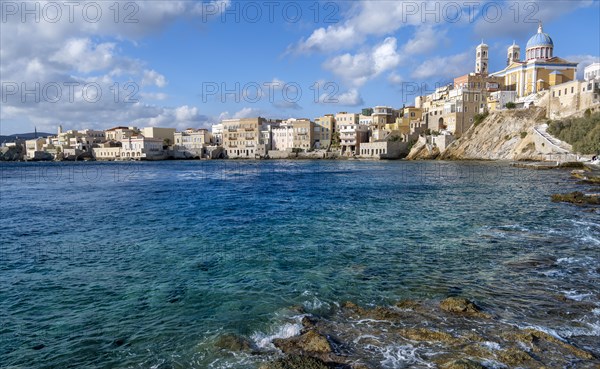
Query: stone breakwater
[{"x": 452, "y": 334}]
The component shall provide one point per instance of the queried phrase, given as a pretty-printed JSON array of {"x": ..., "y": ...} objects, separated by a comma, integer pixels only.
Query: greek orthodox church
[{"x": 539, "y": 71}]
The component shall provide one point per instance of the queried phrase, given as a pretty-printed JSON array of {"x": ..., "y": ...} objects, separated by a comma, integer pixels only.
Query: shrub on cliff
[
  {"x": 582, "y": 133},
  {"x": 478, "y": 118}
]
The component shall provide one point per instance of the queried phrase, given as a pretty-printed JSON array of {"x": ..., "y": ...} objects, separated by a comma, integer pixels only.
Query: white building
[
  {"x": 192, "y": 141},
  {"x": 591, "y": 72},
  {"x": 283, "y": 136},
  {"x": 217, "y": 133},
  {"x": 33, "y": 146},
  {"x": 351, "y": 136},
  {"x": 139, "y": 147}
]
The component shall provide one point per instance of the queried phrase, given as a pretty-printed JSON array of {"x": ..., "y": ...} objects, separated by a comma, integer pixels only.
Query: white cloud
[
  {"x": 349, "y": 98},
  {"x": 357, "y": 69},
  {"x": 395, "y": 78},
  {"x": 287, "y": 105},
  {"x": 56, "y": 52},
  {"x": 444, "y": 67},
  {"x": 152, "y": 77},
  {"x": 83, "y": 55},
  {"x": 373, "y": 18},
  {"x": 247, "y": 113},
  {"x": 426, "y": 39},
  {"x": 243, "y": 113}
]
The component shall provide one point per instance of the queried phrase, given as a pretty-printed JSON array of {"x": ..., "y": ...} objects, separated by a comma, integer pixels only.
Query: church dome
[
  {"x": 540, "y": 46},
  {"x": 540, "y": 39}
]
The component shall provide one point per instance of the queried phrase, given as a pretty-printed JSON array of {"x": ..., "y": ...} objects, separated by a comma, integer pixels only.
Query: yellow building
[
  {"x": 407, "y": 115},
  {"x": 539, "y": 71}
]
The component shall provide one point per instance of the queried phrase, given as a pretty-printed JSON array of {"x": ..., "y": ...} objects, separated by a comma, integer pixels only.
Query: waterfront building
[
  {"x": 539, "y": 71},
  {"x": 142, "y": 148},
  {"x": 110, "y": 150},
  {"x": 344, "y": 118},
  {"x": 241, "y": 137},
  {"x": 34, "y": 147},
  {"x": 217, "y": 134},
  {"x": 323, "y": 132},
  {"x": 303, "y": 134},
  {"x": 192, "y": 142},
  {"x": 383, "y": 149},
  {"x": 166, "y": 134},
  {"x": 283, "y": 136},
  {"x": 352, "y": 135}
]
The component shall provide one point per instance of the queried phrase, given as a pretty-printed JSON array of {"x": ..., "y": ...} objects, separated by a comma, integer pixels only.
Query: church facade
[{"x": 539, "y": 71}]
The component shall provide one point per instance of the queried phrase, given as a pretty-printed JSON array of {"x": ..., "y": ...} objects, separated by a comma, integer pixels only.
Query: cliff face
[{"x": 506, "y": 135}]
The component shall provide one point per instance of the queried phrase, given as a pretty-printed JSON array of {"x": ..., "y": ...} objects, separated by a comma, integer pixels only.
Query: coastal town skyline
[{"x": 334, "y": 59}]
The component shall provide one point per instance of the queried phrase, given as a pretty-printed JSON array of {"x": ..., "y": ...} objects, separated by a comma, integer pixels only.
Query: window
[{"x": 572, "y": 89}]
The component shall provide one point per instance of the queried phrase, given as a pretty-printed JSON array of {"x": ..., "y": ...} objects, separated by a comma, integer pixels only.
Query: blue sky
[{"x": 177, "y": 57}]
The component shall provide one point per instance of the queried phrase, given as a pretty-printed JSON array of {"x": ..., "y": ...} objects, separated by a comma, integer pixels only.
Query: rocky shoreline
[{"x": 454, "y": 333}]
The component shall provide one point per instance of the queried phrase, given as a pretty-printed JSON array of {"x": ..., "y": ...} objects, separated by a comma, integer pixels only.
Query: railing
[{"x": 551, "y": 140}]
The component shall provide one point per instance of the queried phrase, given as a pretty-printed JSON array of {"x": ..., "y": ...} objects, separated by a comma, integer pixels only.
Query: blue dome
[{"x": 540, "y": 39}]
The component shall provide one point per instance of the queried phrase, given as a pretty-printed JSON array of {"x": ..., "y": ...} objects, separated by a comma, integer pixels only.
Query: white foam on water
[
  {"x": 494, "y": 346},
  {"x": 553, "y": 273},
  {"x": 576, "y": 295},
  {"x": 549, "y": 331},
  {"x": 492, "y": 364},
  {"x": 315, "y": 304},
  {"x": 591, "y": 239},
  {"x": 366, "y": 336},
  {"x": 596, "y": 311},
  {"x": 287, "y": 330},
  {"x": 400, "y": 356}
]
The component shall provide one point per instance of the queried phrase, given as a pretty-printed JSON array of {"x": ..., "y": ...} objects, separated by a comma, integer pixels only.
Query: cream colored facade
[
  {"x": 33, "y": 146},
  {"x": 120, "y": 133},
  {"x": 242, "y": 137},
  {"x": 165, "y": 134},
  {"x": 140, "y": 147},
  {"x": 283, "y": 137},
  {"x": 569, "y": 98},
  {"x": 303, "y": 134},
  {"x": 323, "y": 131},
  {"x": 192, "y": 141},
  {"x": 344, "y": 118}
]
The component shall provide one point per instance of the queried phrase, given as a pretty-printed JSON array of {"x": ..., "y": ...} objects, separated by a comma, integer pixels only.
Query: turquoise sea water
[{"x": 139, "y": 265}]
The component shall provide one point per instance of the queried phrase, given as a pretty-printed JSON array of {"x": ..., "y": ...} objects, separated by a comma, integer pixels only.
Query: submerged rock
[
  {"x": 296, "y": 362},
  {"x": 577, "y": 197},
  {"x": 463, "y": 364},
  {"x": 233, "y": 342},
  {"x": 309, "y": 342},
  {"x": 463, "y": 306}
]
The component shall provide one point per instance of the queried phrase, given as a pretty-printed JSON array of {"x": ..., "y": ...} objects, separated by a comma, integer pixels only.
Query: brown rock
[
  {"x": 233, "y": 342},
  {"x": 463, "y": 306},
  {"x": 576, "y": 197},
  {"x": 309, "y": 342},
  {"x": 463, "y": 364},
  {"x": 513, "y": 356},
  {"x": 296, "y": 362}
]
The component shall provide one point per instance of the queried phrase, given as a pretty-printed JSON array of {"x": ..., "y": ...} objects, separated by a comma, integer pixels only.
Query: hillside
[
  {"x": 22, "y": 136},
  {"x": 506, "y": 135},
  {"x": 583, "y": 132}
]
